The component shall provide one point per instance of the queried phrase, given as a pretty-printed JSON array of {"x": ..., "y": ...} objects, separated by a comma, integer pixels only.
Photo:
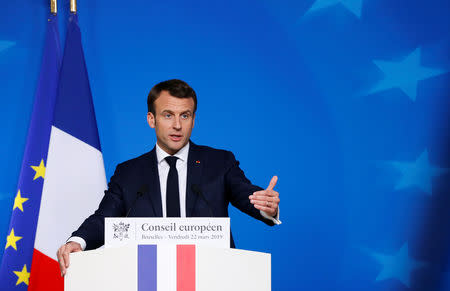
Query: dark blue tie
[{"x": 172, "y": 194}]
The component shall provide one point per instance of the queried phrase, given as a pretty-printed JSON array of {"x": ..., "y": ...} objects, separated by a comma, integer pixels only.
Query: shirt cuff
[
  {"x": 275, "y": 220},
  {"x": 79, "y": 240}
]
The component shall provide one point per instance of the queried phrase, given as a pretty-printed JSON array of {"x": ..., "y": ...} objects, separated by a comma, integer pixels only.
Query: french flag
[
  {"x": 175, "y": 270},
  {"x": 75, "y": 175}
]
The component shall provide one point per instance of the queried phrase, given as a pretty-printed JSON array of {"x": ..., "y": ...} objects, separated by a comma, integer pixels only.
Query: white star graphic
[
  {"x": 354, "y": 6},
  {"x": 418, "y": 173},
  {"x": 4, "y": 45},
  {"x": 404, "y": 74},
  {"x": 398, "y": 266}
]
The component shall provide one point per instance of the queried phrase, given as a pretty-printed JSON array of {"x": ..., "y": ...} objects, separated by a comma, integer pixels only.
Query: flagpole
[
  {"x": 73, "y": 6},
  {"x": 54, "y": 6}
]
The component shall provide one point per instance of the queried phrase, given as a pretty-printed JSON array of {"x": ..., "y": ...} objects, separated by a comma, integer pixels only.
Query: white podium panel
[
  {"x": 168, "y": 268},
  {"x": 113, "y": 269},
  {"x": 231, "y": 269}
]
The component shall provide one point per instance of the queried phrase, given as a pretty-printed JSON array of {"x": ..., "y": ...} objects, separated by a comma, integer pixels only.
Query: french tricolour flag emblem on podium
[{"x": 176, "y": 267}]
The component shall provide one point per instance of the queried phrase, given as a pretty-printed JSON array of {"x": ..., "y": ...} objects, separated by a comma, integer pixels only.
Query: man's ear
[
  {"x": 193, "y": 120},
  {"x": 151, "y": 119}
]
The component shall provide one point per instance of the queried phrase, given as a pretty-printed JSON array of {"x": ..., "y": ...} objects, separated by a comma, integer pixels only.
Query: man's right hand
[{"x": 63, "y": 255}]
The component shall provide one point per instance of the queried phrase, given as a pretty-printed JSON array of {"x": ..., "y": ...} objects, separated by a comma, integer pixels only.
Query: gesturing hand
[{"x": 267, "y": 200}]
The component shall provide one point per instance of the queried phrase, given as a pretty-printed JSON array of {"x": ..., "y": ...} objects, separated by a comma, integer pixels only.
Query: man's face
[{"x": 173, "y": 121}]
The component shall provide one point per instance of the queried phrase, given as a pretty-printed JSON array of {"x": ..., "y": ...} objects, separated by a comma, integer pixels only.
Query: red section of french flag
[
  {"x": 45, "y": 274},
  {"x": 185, "y": 267}
]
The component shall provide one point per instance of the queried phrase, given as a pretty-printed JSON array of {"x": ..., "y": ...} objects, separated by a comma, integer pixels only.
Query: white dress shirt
[{"x": 163, "y": 171}]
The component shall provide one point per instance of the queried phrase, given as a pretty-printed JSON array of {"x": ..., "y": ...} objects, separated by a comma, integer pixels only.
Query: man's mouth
[{"x": 175, "y": 137}]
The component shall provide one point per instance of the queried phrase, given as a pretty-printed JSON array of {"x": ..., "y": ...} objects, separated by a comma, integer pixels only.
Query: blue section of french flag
[
  {"x": 147, "y": 266},
  {"x": 74, "y": 109}
]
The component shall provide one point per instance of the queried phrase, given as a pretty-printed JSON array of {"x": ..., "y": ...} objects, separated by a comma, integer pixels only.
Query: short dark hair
[{"x": 176, "y": 88}]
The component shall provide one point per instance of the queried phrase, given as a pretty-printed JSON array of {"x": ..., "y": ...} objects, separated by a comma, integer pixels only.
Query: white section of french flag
[
  {"x": 74, "y": 185},
  {"x": 167, "y": 270}
]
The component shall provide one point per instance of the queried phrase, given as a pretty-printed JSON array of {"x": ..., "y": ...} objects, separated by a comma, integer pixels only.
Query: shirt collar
[{"x": 182, "y": 154}]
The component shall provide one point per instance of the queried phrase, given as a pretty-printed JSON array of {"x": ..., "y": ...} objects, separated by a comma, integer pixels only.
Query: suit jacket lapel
[
  {"x": 151, "y": 173},
  {"x": 194, "y": 174}
]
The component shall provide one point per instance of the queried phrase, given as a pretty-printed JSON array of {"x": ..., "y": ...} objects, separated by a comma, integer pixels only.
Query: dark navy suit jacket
[{"x": 215, "y": 173}]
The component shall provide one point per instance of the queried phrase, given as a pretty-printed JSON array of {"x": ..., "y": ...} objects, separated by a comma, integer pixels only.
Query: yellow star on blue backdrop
[
  {"x": 18, "y": 201},
  {"x": 23, "y": 276},
  {"x": 40, "y": 170},
  {"x": 12, "y": 239}
]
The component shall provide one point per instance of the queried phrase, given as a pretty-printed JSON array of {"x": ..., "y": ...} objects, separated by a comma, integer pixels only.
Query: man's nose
[{"x": 177, "y": 123}]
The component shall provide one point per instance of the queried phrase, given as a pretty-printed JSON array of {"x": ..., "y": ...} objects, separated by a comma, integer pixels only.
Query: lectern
[
  {"x": 168, "y": 254},
  {"x": 168, "y": 268}
]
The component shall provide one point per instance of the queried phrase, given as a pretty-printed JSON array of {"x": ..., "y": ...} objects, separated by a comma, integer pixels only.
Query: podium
[
  {"x": 168, "y": 268},
  {"x": 168, "y": 254}
]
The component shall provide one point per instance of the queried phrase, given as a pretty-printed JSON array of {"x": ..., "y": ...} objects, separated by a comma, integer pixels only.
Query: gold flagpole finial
[
  {"x": 54, "y": 6},
  {"x": 73, "y": 6}
]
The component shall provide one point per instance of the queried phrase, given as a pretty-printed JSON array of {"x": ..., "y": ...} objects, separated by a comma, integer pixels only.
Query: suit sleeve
[
  {"x": 112, "y": 205},
  {"x": 239, "y": 188}
]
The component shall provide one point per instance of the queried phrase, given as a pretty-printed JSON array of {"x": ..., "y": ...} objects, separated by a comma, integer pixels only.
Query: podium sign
[{"x": 208, "y": 231}]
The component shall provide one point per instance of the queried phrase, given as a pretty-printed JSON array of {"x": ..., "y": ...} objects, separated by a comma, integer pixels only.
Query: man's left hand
[{"x": 267, "y": 200}]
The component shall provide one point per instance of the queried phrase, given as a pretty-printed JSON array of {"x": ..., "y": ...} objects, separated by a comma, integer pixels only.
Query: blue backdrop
[{"x": 347, "y": 101}]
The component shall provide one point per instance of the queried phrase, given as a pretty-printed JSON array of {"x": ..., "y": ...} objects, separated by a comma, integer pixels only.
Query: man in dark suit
[{"x": 176, "y": 179}]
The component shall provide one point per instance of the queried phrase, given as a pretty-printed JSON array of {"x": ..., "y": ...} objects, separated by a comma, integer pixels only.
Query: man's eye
[
  {"x": 185, "y": 116},
  {"x": 167, "y": 115}
]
